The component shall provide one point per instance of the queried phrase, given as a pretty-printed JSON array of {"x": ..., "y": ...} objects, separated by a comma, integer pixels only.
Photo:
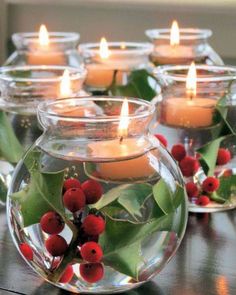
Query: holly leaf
[
  {"x": 3, "y": 190},
  {"x": 140, "y": 84},
  {"x": 227, "y": 187},
  {"x": 162, "y": 196},
  {"x": 10, "y": 148},
  {"x": 130, "y": 197},
  {"x": 208, "y": 154},
  {"x": 165, "y": 199},
  {"x": 209, "y": 151},
  {"x": 121, "y": 242},
  {"x": 222, "y": 109},
  {"x": 42, "y": 194}
]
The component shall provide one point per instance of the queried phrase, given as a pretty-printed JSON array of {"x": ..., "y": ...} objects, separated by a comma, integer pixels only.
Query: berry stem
[
  {"x": 69, "y": 256},
  {"x": 215, "y": 197}
]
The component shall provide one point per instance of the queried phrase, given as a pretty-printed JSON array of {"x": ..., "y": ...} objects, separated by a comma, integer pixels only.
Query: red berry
[
  {"x": 192, "y": 189},
  {"x": 67, "y": 275},
  {"x": 71, "y": 183},
  {"x": 74, "y": 199},
  {"x": 93, "y": 225},
  {"x": 92, "y": 190},
  {"x": 56, "y": 245},
  {"x": 52, "y": 223},
  {"x": 223, "y": 156},
  {"x": 210, "y": 184},
  {"x": 189, "y": 166},
  {"x": 26, "y": 251},
  {"x": 203, "y": 201},
  {"x": 162, "y": 139},
  {"x": 178, "y": 152},
  {"x": 91, "y": 272},
  {"x": 91, "y": 252}
]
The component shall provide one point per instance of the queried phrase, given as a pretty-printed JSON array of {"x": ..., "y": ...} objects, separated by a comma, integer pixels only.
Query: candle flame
[
  {"x": 43, "y": 36},
  {"x": 124, "y": 119},
  {"x": 174, "y": 34},
  {"x": 123, "y": 45},
  {"x": 104, "y": 50},
  {"x": 65, "y": 85},
  {"x": 191, "y": 81}
]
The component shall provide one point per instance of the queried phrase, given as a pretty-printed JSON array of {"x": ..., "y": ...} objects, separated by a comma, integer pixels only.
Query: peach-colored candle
[
  {"x": 44, "y": 53},
  {"x": 175, "y": 53},
  {"x": 190, "y": 111},
  {"x": 119, "y": 148},
  {"x": 101, "y": 74}
]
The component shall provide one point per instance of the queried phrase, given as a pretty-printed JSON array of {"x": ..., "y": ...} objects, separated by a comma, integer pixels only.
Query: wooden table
[{"x": 205, "y": 263}]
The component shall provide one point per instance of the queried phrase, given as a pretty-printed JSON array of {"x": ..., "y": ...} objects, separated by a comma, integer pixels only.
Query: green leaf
[
  {"x": 208, "y": 154},
  {"x": 209, "y": 151},
  {"x": 10, "y": 148},
  {"x": 3, "y": 190},
  {"x": 133, "y": 198},
  {"x": 179, "y": 196},
  {"x": 122, "y": 240},
  {"x": 140, "y": 84},
  {"x": 162, "y": 196},
  {"x": 130, "y": 196},
  {"x": 42, "y": 194},
  {"x": 222, "y": 109},
  {"x": 227, "y": 187}
]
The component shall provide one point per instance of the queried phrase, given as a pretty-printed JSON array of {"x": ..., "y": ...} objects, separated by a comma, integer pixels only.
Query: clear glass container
[
  {"x": 22, "y": 89},
  {"x": 193, "y": 46},
  {"x": 115, "y": 67},
  {"x": 204, "y": 124},
  {"x": 123, "y": 179},
  {"x": 61, "y": 50}
]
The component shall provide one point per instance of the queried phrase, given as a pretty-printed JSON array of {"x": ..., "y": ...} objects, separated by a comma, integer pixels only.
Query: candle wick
[{"x": 121, "y": 139}]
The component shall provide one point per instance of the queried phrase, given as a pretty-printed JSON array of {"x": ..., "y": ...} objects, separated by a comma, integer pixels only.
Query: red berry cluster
[
  {"x": 75, "y": 197},
  {"x": 202, "y": 194},
  {"x": 188, "y": 165}
]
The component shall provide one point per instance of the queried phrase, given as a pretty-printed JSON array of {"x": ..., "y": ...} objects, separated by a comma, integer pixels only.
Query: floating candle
[
  {"x": 43, "y": 52},
  {"x": 118, "y": 150},
  {"x": 190, "y": 111}
]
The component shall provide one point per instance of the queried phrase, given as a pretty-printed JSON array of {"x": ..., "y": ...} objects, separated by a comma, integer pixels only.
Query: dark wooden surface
[{"x": 205, "y": 263}]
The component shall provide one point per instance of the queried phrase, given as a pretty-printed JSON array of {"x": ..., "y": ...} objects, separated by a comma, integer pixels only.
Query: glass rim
[
  {"x": 130, "y": 47},
  {"x": 43, "y": 109},
  {"x": 169, "y": 72},
  {"x": 185, "y": 33},
  {"x": 75, "y": 73},
  {"x": 54, "y": 37}
]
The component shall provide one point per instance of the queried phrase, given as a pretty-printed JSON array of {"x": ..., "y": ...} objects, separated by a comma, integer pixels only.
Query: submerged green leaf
[
  {"x": 42, "y": 194},
  {"x": 121, "y": 242},
  {"x": 130, "y": 197},
  {"x": 10, "y": 148}
]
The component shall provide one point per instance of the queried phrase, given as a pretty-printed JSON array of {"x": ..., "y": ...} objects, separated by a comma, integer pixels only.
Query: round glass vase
[
  {"x": 204, "y": 124},
  {"x": 193, "y": 46},
  {"x": 131, "y": 200},
  {"x": 22, "y": 89},
  {"x": 61, "y": 50},
  {"x": 114, "y": 68}
]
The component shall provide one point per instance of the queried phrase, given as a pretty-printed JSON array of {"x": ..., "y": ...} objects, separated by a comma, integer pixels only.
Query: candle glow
[
  {"x": 174, "y": 34},
  {"x": 124, "y": 119},
  {"x": 65, "y": 85},
  {"x": 43, "y": 36},
  {"x": 191, "y": 81},
  {"x": 104, "y": 50}
]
